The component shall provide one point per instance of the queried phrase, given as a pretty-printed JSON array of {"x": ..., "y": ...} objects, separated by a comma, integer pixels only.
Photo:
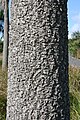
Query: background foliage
[
  {"x": 74, "y": 45},
  {"x": 1, "y": 46}
]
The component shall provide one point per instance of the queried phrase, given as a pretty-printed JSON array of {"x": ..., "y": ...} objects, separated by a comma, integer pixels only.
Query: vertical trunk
[
  {"x": 38, "y": 61},
  {"x": 6, "y": 36}
]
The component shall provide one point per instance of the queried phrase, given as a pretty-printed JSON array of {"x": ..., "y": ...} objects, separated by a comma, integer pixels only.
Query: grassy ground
[
  {"x": 3, "y": 89},
  {"x": 74, "y": 81},
  {"x": 74, "y": 85}
]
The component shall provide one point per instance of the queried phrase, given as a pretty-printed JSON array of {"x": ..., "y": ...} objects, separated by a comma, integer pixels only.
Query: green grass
[
  {"x": 74, "y": 85},
  {"x": 74, "y": 81},
  {"x": 2, "y": 107},
  {"x": 3, "y": 89}
]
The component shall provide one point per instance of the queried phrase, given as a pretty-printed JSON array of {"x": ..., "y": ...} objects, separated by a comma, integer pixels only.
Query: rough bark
[
  {"x": 38, "y": 61},
  {"x": 6, "y": 36}
]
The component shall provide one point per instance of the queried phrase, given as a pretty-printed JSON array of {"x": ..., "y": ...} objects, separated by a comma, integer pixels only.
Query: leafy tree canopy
[
  {"x": 2, "y": 17},
  {"x": 76, "y": 35}
]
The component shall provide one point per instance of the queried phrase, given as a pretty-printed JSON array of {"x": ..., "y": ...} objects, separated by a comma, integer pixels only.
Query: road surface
[{"x": 74, "y": 61}]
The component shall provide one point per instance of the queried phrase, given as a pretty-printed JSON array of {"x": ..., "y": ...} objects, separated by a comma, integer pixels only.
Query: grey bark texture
[
  {"x": 38, "y": 61},
  {"x": 6, "y": 36}
]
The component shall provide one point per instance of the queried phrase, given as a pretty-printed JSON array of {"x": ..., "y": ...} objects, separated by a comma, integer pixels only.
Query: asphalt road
[{"x": 74, "y": 61}]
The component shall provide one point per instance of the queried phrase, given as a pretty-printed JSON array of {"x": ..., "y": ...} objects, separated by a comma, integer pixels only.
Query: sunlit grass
[
  {"x": 74, "y": 85},
  {"x": 3, "y": 93}
]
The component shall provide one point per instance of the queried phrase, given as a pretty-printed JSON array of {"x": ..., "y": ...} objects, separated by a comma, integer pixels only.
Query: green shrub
[{"x": 74, "y": 46}]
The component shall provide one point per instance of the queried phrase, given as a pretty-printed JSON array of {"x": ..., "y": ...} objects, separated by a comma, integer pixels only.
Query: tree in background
[
  {"x": 1, "y": 27},
  {"x": 1, "y": 20},
  {"x": 74, "y": 44},
  {"x": 76, "y": 35},
  {"x": 6, "y": 34}
]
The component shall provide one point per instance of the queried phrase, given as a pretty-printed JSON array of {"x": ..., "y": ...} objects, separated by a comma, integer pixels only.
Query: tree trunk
[
  {"x": 38, "y": 61},
  {"x": 6, "y": 36}
]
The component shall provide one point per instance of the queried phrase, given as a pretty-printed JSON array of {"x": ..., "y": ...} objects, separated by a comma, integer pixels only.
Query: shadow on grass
[{"x": 3, "y": 108}]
